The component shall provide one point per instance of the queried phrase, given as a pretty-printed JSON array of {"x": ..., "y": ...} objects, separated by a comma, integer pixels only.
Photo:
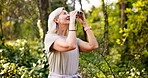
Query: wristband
[
  {"x": 87, "y": 28},
  {"x": 72, "y": 30}
]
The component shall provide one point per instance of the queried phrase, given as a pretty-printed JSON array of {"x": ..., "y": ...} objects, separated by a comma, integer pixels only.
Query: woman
[{"x": 62, "y": 45}]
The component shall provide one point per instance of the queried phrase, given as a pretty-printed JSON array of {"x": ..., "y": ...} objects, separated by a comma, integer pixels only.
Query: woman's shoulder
[{"x": 51, "y": 35}]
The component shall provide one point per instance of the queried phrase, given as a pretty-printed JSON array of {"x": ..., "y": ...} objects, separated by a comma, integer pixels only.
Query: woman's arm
[{"x": 92, "y": 43}]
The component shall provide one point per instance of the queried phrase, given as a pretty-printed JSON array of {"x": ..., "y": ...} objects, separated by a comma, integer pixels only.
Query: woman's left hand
[{"x": 82, "y": 19}]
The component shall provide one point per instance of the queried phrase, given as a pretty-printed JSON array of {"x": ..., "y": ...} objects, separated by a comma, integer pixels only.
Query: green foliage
[
  {"x": 23, "y": 59},
  {"x": 22, "y": 54},
  {"x": 19, "y": 19},
  {"x": 94, "y": 65},
  {"x": 128, "y": 45}
]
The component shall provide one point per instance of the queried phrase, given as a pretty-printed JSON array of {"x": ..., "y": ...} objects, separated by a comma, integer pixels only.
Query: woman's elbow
[
  {"x": 67, "y": 48},
  {"x": 72, "y": 47},
  {"x": 94, "y": 47}
]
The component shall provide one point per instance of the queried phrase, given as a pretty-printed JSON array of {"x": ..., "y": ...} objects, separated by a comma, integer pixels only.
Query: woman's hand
[
  {"x": 81, "y": 19},
  {"x": 73, "y": 16}
]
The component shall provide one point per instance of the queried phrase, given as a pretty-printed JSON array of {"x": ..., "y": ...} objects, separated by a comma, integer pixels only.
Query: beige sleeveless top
[{"x": 63, "y": 63}]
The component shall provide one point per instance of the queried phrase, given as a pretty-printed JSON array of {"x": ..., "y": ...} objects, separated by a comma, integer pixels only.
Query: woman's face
[{"x": 63, "y": 18}]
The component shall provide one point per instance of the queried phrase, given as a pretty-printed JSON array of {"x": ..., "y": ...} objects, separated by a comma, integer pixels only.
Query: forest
[{"x": 121, "y": 29}]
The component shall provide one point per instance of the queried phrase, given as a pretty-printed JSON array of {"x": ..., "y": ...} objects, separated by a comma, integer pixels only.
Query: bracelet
[
  {"x": 87, "y": 28},
  {"x": 72, "y": 30}
]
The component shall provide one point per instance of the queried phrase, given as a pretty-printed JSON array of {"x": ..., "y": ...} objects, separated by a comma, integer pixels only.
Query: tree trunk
[
  {"x": 123, "y": 14},
  {"x": 1, "y": 28},
  {"x": 73, "y": 7},
  {"x": 123, "y": 17},
  {"x": 85, "y": 35},
  {"x": 106, "y": 41},
  {"x": 81, "y": 5},
  {"x": 43, "y": 6},
  {"x": 1, "y": 35}
]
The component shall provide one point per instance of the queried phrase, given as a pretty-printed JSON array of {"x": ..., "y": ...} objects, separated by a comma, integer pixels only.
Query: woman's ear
[{"x": 56, "y": 20}]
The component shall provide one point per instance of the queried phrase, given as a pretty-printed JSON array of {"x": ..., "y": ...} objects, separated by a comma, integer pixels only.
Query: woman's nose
[{"x": 68, "y": 14}]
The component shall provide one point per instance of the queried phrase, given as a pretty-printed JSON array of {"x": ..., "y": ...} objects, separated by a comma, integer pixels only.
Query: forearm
[
  {"x": 91, "y": 38},
  {"x": 71, "y": 38}
]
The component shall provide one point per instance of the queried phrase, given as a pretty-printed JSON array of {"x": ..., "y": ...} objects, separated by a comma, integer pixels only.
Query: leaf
[{"x": 6, "y": 65}]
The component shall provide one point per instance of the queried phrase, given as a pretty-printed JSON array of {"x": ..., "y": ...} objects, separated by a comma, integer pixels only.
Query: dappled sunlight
[{"x": 120, "y": 26}]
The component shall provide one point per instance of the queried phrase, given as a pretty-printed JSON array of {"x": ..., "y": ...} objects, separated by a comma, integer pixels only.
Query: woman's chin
[{"x": 67, "y": 22}]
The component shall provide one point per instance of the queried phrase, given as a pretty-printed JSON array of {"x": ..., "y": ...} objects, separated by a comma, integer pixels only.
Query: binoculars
[{"x": 79, "y": 13}]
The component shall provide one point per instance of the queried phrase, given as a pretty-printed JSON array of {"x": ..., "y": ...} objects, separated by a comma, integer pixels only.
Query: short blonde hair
[{"x": 51, "y": 22}]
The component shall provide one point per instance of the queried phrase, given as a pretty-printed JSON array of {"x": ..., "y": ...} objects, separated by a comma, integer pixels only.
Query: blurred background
[{"x": 121, "y": 28}]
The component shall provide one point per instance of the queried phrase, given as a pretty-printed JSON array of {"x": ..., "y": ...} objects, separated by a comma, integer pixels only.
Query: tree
[
  {"x": 19, "y": 19},
  {"x": 123, "y": 14},
  {"x": 85, "y": 35},
  {"x": 1, "y": 27},
  {"x": 106, "y": 41},
  {"x": 44, "y": 7}
]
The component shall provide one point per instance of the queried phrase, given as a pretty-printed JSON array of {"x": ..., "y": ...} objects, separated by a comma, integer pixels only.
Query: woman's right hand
[{"x": 73, "y": 16}]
